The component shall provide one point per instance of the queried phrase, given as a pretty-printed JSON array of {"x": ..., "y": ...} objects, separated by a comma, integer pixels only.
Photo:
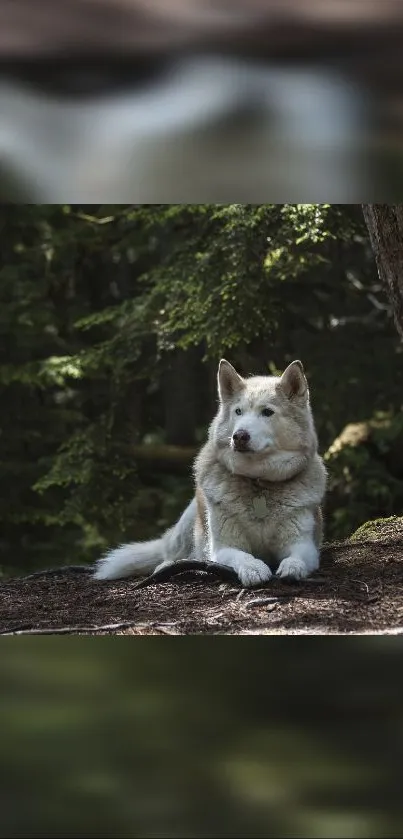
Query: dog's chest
[
  {"x": 259, "y": 519},
  {"x": 254, "y": 507},
  {"x": 250, "y": 500},
  {"x": 257, "y": 508}
]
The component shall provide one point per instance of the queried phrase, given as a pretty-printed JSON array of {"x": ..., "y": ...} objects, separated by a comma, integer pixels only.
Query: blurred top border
[{"x": 32, "y": 29}]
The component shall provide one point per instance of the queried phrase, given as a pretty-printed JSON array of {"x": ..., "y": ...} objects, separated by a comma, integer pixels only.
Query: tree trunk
[
  {"x": 385, "y": 227},
  {"x": 180, "y": 396}
]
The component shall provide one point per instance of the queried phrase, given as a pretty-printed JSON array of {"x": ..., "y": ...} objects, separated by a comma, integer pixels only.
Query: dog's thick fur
[{"x": 259, "y": 481}]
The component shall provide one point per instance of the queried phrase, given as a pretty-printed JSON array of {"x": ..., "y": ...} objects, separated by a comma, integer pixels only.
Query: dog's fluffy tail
[{"x": 140, "y": 558}]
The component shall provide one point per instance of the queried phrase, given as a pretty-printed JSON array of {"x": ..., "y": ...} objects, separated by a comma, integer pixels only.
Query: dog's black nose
[{"x": 241, "y": 439}]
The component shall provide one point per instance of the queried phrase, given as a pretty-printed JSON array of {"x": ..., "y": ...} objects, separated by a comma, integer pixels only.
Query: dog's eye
[
  {"x": 238, "y": 411},
  {"x": 267, "y": 412}
]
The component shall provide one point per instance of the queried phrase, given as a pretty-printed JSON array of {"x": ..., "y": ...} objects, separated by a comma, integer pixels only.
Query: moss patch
[{"x": 379, "y": 529}]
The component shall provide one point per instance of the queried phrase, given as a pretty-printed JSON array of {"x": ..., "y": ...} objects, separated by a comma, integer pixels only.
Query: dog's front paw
[
  {"x": 250, "y": 571},
  {"x": 253, "y": 572},
  {"x": 292, "y": 568}
]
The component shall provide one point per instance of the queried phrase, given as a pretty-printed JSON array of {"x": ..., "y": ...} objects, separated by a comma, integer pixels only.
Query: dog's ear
[
  {"x": 229, "y": 381},
  {"x": 293, "y": 381}
]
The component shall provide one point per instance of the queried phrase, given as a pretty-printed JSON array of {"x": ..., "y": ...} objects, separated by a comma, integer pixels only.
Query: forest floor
[{"x": 358, "y": 590}]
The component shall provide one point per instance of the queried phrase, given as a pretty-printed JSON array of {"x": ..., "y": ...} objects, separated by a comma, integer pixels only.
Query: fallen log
[{"x": 164, "y": 458}]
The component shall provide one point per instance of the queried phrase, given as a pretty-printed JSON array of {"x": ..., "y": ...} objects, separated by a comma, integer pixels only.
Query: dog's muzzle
[{"x": 241, "y": 440}]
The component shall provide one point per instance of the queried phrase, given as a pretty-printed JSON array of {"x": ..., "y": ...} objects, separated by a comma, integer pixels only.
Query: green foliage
[
  {"x": 359, "y": 487},
  {"x": 207, "y": 266},
  {"x": 361, "y": 482}
]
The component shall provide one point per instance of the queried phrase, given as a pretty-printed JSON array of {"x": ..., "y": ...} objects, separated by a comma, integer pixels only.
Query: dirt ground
[{"x": 359, "y": 589}]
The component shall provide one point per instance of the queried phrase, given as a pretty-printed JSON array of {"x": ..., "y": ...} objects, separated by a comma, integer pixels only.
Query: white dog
[{"x": 259, "y": 482}]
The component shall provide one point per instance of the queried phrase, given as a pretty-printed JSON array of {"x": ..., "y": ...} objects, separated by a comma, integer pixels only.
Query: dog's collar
[{"x": 260, "y": 483}]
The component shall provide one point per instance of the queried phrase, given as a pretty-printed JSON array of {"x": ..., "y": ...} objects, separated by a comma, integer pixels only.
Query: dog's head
[{"x": 262, "y": 416}]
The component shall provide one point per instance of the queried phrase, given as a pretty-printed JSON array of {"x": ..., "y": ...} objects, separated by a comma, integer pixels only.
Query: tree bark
[
  {"x": 181, "y": 381},
  {"x": 385, "y": 227}
]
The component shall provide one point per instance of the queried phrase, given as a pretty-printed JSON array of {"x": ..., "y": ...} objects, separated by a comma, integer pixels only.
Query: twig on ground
[
  {"x": 361, "y": 583},
  {"x": 164, "y": 629},
  {"x": 68, "y": 630},
  {"x": 371, "y": 598},
  {"x": 266, "y": 601},
  {"x": 316, "y": 581}
]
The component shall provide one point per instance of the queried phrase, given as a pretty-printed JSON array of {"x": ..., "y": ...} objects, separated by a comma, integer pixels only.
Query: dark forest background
[{"x": 113, "y": 319}]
